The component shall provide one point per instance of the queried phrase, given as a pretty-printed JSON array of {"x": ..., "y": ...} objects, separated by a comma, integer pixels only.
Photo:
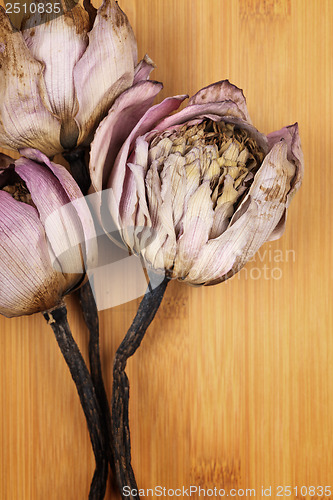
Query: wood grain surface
[{"x": 233, "y": 384}]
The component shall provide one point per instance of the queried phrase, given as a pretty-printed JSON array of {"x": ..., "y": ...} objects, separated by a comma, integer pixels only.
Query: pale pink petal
[
  {"x": 225, "y": 207},
  {"x": 59, "y": 44},
  {"x": 158, "y": 245},
  {"x": 252, "y": 224},
  {"x": 279, "y": 228},
  {"x": 164, "y": 243},
  {"x": 155, "y": 253},
  {"x": 77, "y": 202},
  {"x": 29, "y": 284},
  {"x": 295, "y": 154},
  {"x": 219, "y": 256},
  {"x": 143, "y": 69},
  {"x": 106, "y": 68},
  {"x": 222, "y": 91},
  {"x": 222, "y": 216},
  {"x": 125, "y": 113},
  {"x": 64, "y": 234},
  {"x": 197, "y": 223},
  {"x": 25, "y": 117},
  {"x": 136, "y": 215},
  {"x": 45, "y": 189},
  {"x": 66, "y": 180},
  {"x": 128, "y": 214},
  {"x": 148, "y": 121},
  {"x": 269, "y": 191},
  {"x": 153, "y": 194}
]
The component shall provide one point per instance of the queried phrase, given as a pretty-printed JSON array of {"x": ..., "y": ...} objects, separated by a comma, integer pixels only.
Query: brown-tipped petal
[
  {"x": 295, "y": 154},
  {"x": 279, "y": 228},
  {"x": 222, "y": 91},
  {"x": 252, "y": 223},
  {"x": 29, "y": 284},
  {"x": 269, "y": 191},
  {"x": 92, "y": 12},
  {"x": 59, "y": 43},
  {"x": 143, "y": 69},
  {"x": 25, "y": 119},
  {"x": 107, "y": 67},
  {"x": 127, "y": 110},
  {"x": 224, "y": 207}
]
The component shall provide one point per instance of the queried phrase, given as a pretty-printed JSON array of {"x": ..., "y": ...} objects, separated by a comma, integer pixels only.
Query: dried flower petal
[
  {"x": 46, "y": 235},
  {"x": 196, "y": 193},
  {"x": 62, "y": 73}
]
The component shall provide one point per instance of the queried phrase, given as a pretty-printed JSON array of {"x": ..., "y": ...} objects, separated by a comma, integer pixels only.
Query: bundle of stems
[{"x": 110, "y": 436}]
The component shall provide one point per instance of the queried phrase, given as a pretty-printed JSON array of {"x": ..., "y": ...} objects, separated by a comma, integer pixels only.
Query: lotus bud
[
  {"x": 60, "y": 73},
  {"x": 46, "y": 234},
  {"x": 196, "y": 193}
]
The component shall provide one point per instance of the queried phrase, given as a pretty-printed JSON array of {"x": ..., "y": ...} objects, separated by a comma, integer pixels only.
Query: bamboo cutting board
[{"x": 233, "y": 384}]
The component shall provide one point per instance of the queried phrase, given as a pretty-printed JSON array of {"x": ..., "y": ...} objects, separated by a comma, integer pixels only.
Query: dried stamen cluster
[
  {"x": 19, "y": 192},
  {"x": 196, "y": 175},
  {"x": 219, "y": 152}
]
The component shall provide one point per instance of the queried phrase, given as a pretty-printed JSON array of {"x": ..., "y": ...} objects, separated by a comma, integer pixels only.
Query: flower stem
[
  {"x": 90, "y": 315},
  {"x": 120, "y": 394},
  {"x": 79, "y": 169},
  {"x": 80, "y": 172},
  {"x": 57, "y": 319}
]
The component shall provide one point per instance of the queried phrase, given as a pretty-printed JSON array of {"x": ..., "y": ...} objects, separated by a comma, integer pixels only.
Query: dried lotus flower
[
  {"x": 47, "y": 243},
  {"x": 196, "y": 193},
  {"x": 46, "y": 238},
  {"x": 61, "y": 73}
]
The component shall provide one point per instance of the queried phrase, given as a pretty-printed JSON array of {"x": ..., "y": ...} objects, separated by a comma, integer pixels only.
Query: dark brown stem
[
  {"x": 120, "y": 394},
  {"x": 90, "y": 314},
  {"x": 79, "y": 170},
  {"x": 57, "y": 319}
]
